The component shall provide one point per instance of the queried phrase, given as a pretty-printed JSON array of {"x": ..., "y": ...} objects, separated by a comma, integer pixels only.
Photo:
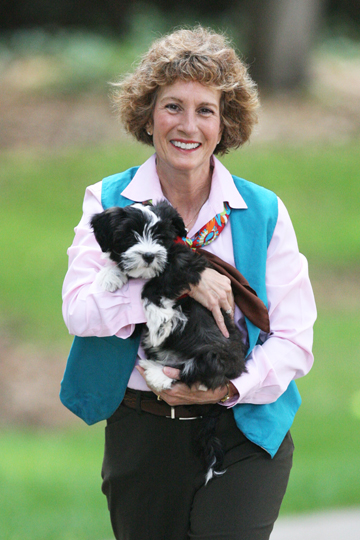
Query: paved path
[{"x": 330, "y": 525}]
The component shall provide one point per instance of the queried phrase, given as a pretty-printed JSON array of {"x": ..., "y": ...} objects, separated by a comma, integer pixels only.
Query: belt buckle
[{"x": 173, "y": 415}]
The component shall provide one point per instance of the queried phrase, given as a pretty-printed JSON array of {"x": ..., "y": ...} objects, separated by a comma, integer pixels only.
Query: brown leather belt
[{"x": 148, "y": 402}]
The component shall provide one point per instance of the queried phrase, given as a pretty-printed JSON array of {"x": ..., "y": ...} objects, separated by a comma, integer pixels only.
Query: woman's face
[{"x": 186, "y": 126}]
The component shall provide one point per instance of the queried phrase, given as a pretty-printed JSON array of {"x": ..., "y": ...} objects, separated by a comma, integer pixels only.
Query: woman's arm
[
  {"x": 87, "y": 309},
  {"x": 287, "y": 353}
]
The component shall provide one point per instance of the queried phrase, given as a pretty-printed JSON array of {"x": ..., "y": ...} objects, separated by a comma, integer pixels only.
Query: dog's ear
[
  {"x": 179, "y": 225},
  {"x": 167, "y": 212},
  {"x": 103, "y": 227}
]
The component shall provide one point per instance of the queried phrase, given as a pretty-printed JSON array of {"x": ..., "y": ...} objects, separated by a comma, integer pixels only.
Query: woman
[{"x": 191, "y": 97}]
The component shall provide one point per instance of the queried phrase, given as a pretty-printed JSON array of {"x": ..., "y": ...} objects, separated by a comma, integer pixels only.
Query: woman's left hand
[
  {"x": 214, "y": 292},
  {"x": 181, "y": 394}
]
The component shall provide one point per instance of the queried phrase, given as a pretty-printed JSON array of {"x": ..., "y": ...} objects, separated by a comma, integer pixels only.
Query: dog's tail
[{"x": 210, "y": 445}]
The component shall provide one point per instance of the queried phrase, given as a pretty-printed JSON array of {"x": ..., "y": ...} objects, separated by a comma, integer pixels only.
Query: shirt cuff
[
  {"x": 230, "y": 402},
  {"x": 246, "y": 385}
]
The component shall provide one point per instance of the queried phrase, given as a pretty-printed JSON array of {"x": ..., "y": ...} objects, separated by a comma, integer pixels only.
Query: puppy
[{"x": 145, "y": 242}]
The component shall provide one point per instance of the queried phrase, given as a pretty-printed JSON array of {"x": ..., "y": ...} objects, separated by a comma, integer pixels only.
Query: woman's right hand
[{"x": 214, "y": 292}]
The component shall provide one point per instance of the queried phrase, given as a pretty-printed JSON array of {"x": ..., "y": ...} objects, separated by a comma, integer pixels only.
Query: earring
[{"x": 148, "y": 132}]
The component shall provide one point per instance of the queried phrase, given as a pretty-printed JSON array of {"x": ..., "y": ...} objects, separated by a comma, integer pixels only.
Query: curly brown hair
[{"x": 200, "y": 55}]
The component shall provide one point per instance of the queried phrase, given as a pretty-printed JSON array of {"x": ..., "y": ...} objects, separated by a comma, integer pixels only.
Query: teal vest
[{"x": 98, "y": 369}]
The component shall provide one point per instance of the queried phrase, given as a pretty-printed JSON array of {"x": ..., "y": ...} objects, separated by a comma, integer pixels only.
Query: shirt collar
[
  {"x": 146, "y": 185},
  {"x": 223, "y": 189}
]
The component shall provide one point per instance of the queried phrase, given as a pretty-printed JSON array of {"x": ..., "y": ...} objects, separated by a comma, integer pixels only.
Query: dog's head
[{"x": 138, "y": 237}]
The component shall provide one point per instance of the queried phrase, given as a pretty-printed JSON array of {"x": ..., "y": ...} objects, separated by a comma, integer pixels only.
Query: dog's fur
[{"x": 140, "y": 242}]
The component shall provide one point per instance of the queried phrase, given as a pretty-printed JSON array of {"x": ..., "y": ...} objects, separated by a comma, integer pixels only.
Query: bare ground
[{"x": 329, "y": 112}]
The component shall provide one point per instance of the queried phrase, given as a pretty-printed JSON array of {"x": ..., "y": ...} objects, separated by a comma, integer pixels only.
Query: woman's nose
[{"x": 189, "y": 122}]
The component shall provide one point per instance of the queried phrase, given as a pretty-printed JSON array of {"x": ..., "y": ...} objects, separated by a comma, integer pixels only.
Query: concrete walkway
[{"x": 329, "y": 525}]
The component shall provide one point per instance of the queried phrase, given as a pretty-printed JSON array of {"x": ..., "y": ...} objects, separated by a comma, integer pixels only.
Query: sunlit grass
[
  {"x": 51, "y": 485},
  {"x": 40, "y": 205},
  {"x": 321, "y": 189},
  {"x": 326, "y": 428},
  {"x": 41, "y": 198},
  {"x": 50, "y": 480}
]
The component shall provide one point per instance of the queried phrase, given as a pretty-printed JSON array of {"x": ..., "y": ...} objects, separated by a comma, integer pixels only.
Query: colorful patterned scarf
[{"x": 209, "y": 232}]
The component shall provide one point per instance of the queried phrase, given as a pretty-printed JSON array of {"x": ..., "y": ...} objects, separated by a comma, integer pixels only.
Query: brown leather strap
[
  {"x": 245, "y": 297},
  {"x": 147, "y": 401}
]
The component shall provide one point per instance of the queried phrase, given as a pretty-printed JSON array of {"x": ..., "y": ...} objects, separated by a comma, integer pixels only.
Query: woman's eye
[
  {"x": 172, "y": 107},
  {"x": 205, "y": 110}
]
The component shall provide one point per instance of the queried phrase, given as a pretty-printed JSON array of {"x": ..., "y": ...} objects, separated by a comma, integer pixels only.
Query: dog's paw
[
  {"x": 154, "y": 376},
  {"x": 110, "y": 278},
  {"x": 162, "y": 320}
]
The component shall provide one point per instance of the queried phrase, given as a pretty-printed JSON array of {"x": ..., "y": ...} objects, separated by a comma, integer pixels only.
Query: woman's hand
[
  {"x": 181, "y": 394},
  {"x": 214, "y": 292}
]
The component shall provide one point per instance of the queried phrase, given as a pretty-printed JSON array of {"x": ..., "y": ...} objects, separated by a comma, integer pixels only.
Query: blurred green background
[{"x": 58, "y": 135}]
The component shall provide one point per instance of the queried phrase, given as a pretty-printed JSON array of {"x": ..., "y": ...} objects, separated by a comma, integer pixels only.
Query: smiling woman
[
  {"x": 199, "y": 56},
  {"x": 191, "y": 98},
  {"x": 186, "y": 128}
]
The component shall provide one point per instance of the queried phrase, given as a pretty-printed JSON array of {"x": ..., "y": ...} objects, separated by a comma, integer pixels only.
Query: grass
[
  {"x": 326, "y": 429},
  {"x": 51, "y": 486},
  {"x": 50, "y": 480},
  {"x": 41, "y": 203},
  {"x": 321, "y": 189}
]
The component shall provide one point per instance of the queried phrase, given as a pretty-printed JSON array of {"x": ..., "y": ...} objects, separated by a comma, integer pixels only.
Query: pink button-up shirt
[{"x": 285, "y": 355}]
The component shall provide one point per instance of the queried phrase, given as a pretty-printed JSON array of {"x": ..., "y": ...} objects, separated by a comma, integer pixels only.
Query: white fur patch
[
  {"x": 146, "y": 210},
  {"x": 211, "y": 473},
  {"x": 165, "y": 358},
  {"x": 188, "y": 366},
  {"x": 161, "y": 321},
  {"x": 154, "y": 375},
  {"x": 111, "y": 278}
]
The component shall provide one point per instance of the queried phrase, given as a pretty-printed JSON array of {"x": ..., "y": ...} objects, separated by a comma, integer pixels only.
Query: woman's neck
[{"x": 187, "y": 191}]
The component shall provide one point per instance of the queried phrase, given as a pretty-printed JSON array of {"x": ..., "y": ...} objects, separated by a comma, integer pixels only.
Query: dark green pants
[{"x": 154, "y": 481}]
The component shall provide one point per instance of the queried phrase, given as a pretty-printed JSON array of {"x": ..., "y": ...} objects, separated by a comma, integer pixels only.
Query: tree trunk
[{"x": 282, "y": 33}]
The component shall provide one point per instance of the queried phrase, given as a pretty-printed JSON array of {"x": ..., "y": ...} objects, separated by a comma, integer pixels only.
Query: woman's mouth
[{"x": 186, "y": 145}]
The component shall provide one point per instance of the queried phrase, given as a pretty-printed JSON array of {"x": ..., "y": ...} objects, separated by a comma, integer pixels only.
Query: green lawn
[
  {"x": 50, "y": 485},
  {"x": 327, "y": 426},
  {"x": 50, "y": 479},
  {"x": 41, "y": 200},
  {"x": 320, "y": 187},
  {"x": 41, "y": 197}
]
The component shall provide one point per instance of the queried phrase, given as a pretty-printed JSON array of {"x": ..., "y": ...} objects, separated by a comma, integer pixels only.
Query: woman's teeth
[{"x": 185, "y": 146}]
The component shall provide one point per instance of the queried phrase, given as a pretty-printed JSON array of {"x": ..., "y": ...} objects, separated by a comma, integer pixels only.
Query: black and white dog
[{"x": 141, "y": 241}]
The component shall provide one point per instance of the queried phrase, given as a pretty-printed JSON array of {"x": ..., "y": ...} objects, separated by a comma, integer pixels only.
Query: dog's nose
[{"x": 148, "y": 257}]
